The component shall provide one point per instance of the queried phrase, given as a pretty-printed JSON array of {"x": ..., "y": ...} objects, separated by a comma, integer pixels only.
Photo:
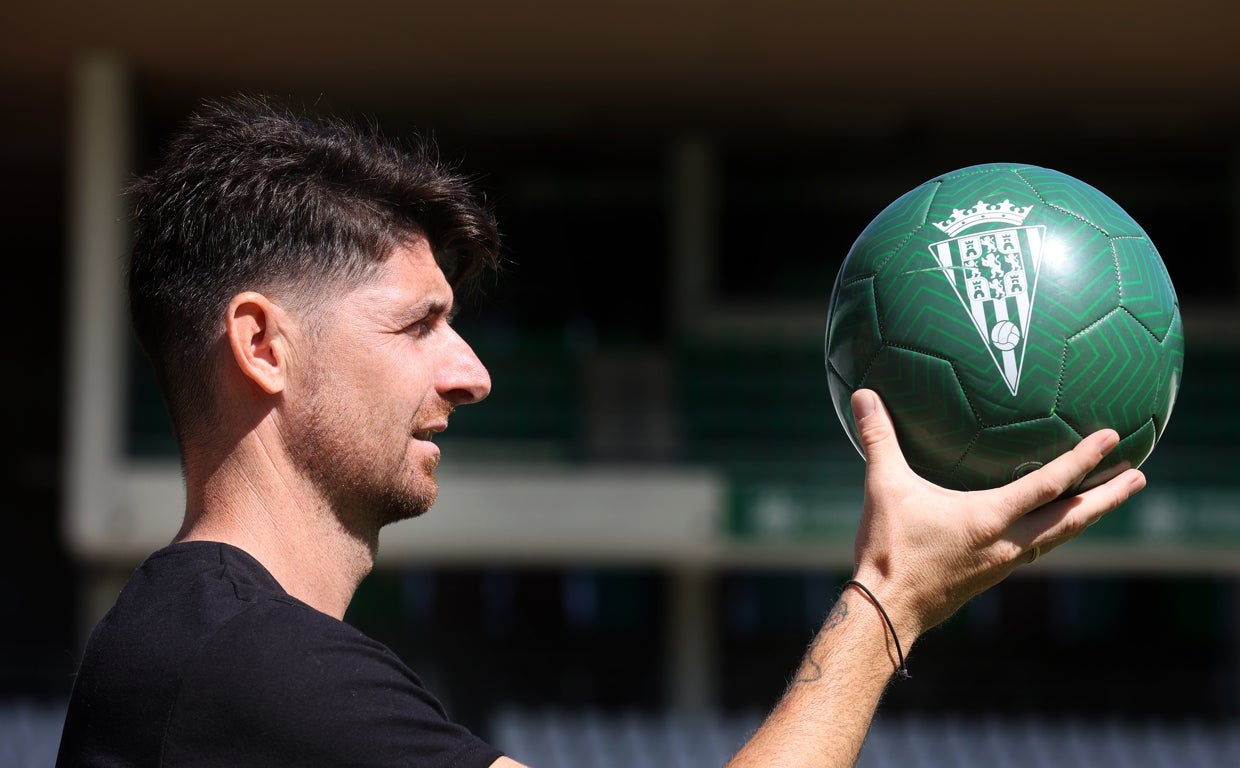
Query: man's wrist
[{"x": 901, "y": 668}]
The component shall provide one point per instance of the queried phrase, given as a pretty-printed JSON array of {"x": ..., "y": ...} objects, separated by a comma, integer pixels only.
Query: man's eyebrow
[{"x": 429, "y": 307}]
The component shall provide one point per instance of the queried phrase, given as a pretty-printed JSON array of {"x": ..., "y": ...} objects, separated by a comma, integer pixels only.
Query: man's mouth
[{"x": 429, "y": 433}]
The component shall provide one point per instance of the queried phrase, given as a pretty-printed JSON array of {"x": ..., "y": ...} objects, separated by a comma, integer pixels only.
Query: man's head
[{"x": 252, "y": 197}]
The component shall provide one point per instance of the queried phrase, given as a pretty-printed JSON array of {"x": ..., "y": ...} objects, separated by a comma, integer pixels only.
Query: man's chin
[{"x": 406, "y": 507}]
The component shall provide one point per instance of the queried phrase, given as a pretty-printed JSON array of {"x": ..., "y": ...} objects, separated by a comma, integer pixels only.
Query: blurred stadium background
[{"x": 642, "y": 527}]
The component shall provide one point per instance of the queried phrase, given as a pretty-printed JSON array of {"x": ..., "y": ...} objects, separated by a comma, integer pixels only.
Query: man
[{"x": 293, "y": 284}]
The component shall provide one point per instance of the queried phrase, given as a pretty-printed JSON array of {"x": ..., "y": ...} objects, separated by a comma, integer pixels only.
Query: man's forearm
[{"x": 823, "y": 717}]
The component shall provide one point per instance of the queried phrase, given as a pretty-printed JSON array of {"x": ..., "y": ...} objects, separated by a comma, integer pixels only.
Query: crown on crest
[{"x": 984, "y": 213}]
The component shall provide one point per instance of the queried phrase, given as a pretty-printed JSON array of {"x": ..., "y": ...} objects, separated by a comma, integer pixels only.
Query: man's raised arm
[{"x": 921, "y": 553}]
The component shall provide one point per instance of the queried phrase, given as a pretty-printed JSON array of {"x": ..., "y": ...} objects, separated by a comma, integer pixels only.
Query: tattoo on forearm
[
  {"x": 812, "y": 670},
  {"x": 837, "y": 615}
]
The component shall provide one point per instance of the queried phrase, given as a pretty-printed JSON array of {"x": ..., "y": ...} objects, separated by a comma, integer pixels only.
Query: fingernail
[
  {"x": 1109, "y": 441},
  {"x": 863, "y": 405}
]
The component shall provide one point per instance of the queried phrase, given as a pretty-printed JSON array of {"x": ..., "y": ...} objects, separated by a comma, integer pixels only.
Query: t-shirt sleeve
[{"x": 282, "y": 684}]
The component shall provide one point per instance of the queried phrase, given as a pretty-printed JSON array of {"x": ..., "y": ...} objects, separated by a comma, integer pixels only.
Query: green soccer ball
[{"x": 1003, "y": 312}]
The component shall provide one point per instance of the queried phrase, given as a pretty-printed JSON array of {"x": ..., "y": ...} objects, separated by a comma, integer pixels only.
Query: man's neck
[{"x": 278, "y": 518}]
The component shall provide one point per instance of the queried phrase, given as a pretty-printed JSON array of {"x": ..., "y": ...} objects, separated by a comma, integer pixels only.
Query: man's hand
[
  {"x": 922, "y": 551},
  {"x": 925, "y": 551}
]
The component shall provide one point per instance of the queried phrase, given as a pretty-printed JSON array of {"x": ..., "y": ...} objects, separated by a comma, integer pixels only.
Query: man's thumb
[{"x": 874, "y": 427}]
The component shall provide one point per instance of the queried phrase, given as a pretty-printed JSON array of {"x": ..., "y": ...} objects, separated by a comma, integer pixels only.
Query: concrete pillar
[
  {"x": 692, "y": 642},
  {"x": 694, "y": 214},
  {"x": 100, "y": 159}
]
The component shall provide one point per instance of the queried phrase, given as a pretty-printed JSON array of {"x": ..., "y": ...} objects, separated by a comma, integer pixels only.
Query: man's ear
[{"x": 256, "y": 328}]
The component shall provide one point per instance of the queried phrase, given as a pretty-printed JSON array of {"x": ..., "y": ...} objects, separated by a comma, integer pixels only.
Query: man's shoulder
[
  {"x": 215, "y": 600},
  {"x": 280, "y": 631},
  {"x": 319, "y": 690},
  {"x": 221, "y": 622},
  {"x": 204, "y": 642},
  {"x": 197, "y": 614},
  {"x": 184, "y": 593}
]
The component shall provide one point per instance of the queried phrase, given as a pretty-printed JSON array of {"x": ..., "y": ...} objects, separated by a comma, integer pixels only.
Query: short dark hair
[{"x": 253, "y": 196}]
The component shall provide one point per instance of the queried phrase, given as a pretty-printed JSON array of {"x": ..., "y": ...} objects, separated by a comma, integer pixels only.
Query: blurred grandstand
[{"x": 643, "y": 525}]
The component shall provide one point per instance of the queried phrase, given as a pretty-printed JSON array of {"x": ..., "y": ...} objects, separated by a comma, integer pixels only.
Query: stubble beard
[{"x": 367, "y": 485}]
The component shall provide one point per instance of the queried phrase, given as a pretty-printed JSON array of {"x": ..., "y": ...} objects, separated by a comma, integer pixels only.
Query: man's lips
[{"x": 428, "y": 433}]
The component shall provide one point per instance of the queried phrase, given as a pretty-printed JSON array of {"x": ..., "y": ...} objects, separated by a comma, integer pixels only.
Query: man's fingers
[
  {"x": 1051, "y": 481},
  {"x": 1056, "y": 524}
]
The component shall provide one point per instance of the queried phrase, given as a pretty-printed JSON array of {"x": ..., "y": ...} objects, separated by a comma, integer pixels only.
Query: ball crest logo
[{"x": 993, "y": 270}]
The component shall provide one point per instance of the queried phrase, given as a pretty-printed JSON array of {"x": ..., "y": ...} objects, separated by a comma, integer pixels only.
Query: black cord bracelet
[{"x": 901, "y": 671}]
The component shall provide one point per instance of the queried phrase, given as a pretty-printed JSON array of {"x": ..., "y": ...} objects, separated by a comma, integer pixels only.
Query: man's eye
[{"x": 419, "y": 329}]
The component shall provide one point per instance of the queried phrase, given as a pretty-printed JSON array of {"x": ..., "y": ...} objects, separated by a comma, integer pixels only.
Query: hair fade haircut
[{"x": 252, "y": 196}]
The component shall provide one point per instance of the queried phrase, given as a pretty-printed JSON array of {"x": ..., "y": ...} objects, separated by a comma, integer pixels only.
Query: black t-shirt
[{"x": 206, "y": 661}]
